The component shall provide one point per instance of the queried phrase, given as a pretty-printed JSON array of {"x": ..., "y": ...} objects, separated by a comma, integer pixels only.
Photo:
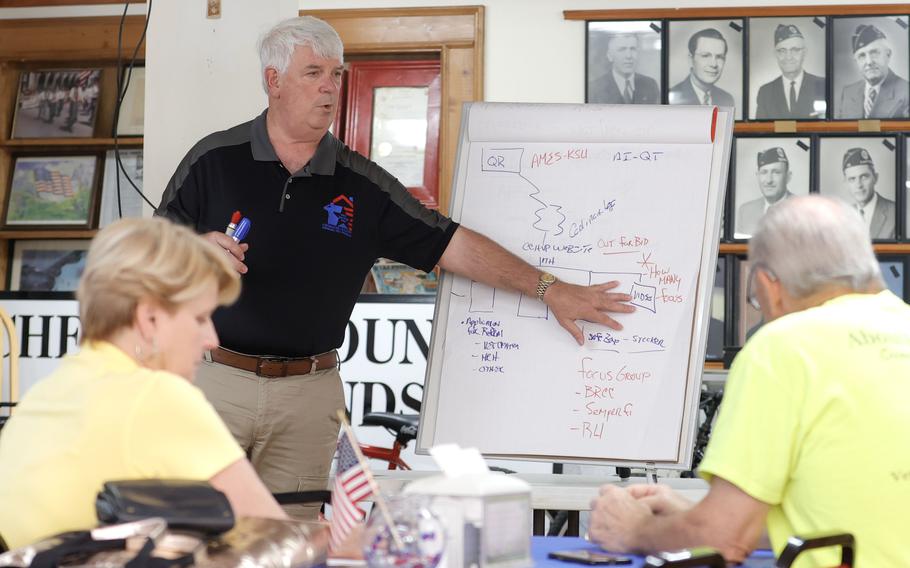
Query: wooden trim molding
[
  {"x": 454, "y": 32},
  {"x": 737, "y": 12},
  {"x": 36, "y": 3},
  {"x": 68, "y": 39}
]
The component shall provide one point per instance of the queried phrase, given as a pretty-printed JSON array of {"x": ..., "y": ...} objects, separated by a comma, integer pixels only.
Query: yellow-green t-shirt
[
  {"x": 815, "y": 422},
  {"x": 101, "y": 417}
]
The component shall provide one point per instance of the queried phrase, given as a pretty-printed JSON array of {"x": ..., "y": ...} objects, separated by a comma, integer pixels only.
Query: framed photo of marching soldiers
[{"x": 57, "y": 103}]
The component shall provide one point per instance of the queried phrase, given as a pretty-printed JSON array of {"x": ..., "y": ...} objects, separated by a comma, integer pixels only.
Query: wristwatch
[{"x": 544, "y": 281}]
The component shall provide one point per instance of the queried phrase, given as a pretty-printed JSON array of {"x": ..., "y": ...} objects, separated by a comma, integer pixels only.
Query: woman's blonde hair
[{"x": 135, "y": 259}]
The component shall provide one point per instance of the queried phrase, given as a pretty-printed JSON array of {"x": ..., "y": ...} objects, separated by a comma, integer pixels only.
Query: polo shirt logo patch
[{"x": 341, "y": 215}]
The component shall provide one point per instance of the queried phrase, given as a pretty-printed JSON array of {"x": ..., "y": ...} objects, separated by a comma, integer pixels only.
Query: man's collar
[
  {"x": 698, "y": 90},
  {"x": 878, "y": 86},
  {"x": 620, "y": 80},
  {"x": 870, "y": 205},
  {"x": 322, "y": 162}
]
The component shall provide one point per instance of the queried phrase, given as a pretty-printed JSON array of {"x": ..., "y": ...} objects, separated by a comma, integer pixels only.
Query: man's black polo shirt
[{"x": 314, "y": 235}]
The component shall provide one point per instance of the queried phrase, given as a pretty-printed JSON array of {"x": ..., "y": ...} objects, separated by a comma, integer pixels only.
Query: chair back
[{"x": 12, "y": 376}]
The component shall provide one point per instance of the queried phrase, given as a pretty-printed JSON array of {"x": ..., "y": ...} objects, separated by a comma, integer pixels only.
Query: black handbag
[{"x": 185, "y": 505}]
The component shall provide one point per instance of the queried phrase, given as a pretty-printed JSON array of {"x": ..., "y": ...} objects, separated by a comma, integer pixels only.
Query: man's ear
[
  {"x": 774, "y": 302},
  {"x": 272, "y": 80}
]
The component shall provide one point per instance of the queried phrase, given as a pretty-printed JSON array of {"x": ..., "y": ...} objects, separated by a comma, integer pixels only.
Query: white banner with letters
[{"x": 384, "y": 357}]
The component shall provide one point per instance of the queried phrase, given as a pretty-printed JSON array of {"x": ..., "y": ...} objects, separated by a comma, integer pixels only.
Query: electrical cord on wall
[{"x": 123, "y": 83}]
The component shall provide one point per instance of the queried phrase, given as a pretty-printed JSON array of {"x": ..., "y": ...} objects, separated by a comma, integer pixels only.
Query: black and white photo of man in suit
[
  {"x": 707, "y": 57},
  {"x": 860, "y": 179},
  {"x": 773, "y": 175},
  {"x": 795, "y": 93},
  {"x": 623, "y": 84},
  {"x": 881, "y": 93}
]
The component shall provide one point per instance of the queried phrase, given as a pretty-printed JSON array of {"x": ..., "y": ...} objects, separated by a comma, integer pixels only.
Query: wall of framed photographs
[
  {"x": 58, "y": 172},
  {"x": 823, "y": 106}
]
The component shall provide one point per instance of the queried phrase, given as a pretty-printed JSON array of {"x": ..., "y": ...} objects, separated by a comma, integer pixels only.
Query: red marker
[{"x": 232, "y": 226}]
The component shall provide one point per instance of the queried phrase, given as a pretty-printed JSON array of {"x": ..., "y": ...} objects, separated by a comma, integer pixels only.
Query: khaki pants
[{"x": 287, "y": 426}]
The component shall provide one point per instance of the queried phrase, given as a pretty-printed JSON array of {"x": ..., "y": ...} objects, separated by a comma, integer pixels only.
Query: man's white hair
[
  {"x": 812, "y": 242},
  {"x": 277, "y": 45}
]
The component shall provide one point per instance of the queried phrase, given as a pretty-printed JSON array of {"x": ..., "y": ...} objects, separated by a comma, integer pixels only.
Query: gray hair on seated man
[
  {"x": 812, "y": 244},
  {"x": 278, "y": 44}
]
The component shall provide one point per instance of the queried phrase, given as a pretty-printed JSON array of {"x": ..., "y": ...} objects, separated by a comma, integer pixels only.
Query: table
[
  {"x": 550, "y": 491},
  {"x": 541, "y": 546}
]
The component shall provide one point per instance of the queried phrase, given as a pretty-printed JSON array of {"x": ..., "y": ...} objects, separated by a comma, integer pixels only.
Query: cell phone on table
[{"x": 590, "y": 557}]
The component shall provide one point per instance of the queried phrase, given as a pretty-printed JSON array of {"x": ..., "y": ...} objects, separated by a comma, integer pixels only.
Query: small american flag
[{"x": 351, "y": 486}]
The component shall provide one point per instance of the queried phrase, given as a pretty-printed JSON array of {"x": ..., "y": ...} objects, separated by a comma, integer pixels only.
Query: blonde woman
[{"x": 124, "y": 406}]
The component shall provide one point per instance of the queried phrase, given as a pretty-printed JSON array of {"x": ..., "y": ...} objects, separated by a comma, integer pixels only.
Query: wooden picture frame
[
  {"x": 57, "y": 103},
  {"x": 47, "y": 265},
  {"x": 52, "y": 191}
]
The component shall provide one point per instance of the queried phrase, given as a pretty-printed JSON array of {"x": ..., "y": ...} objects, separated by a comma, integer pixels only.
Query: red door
[{"x": 391, "y": 115}]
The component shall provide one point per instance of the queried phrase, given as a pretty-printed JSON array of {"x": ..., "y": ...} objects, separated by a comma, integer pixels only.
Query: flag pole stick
[{"x": 378, "y": 499}]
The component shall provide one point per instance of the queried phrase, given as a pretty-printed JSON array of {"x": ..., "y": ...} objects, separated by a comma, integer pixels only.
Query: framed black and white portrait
[
  {"x": 894, "y": 274},
  {"x": 768, "y": 171},
  {"x": 870, "y": 67},
  {"x": 715, "y": 346},
  {"x": 787, "y": 68},
  {"x": 862, "y": 171},
  {"x": 623, "y": 62},
  {"x": 748, "y": 319},
  {"x": 706, "y": 63}
]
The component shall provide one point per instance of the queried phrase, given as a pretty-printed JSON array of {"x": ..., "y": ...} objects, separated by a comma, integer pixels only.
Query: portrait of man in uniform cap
[
  {"x": 860, "y": 179},
  {"x": 772, "y": 172},
  {"x": 880, "y": 92},
  {"x": 794, "y": 93}
]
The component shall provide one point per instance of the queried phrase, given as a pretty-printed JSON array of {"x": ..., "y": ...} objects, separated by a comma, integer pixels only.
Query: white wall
[{"x": 202, "y": 75}]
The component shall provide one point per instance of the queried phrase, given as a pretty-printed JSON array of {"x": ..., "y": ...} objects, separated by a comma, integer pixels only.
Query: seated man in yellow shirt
[
  {"x": 814, "y": 429},
  {"x": 124, "y": 407}
]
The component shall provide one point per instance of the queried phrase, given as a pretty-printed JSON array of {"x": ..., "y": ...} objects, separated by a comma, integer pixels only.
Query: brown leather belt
[{"x": 274, "y": 367}]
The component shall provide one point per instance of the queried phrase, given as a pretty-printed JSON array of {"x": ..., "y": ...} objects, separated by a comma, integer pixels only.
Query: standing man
[
  {"x": 881, "y": 93},
  {"x": 321, "y": 215},
  {"x": 773, "y": 175},
  {"x": 707, "y": 56},
  {"x": 821, "y": 386},
  {"x": 860, "y": 178},
  {"x": 794, "y": 93},
  {"x": 622, "y": 85}
]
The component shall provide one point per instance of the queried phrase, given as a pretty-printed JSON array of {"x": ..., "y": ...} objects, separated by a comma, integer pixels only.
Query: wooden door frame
[{"x": 454, "y": 32}]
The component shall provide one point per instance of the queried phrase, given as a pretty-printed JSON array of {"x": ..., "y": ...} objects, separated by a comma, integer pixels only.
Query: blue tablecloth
[{"x": 542, "y": 545}]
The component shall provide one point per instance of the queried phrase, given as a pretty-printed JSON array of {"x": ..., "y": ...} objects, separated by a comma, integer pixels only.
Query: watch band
[{"x": 544, "y": 281}]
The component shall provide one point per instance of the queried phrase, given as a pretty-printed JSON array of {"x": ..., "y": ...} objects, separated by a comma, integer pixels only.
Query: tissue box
[{"x": 487, "y": 517}]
